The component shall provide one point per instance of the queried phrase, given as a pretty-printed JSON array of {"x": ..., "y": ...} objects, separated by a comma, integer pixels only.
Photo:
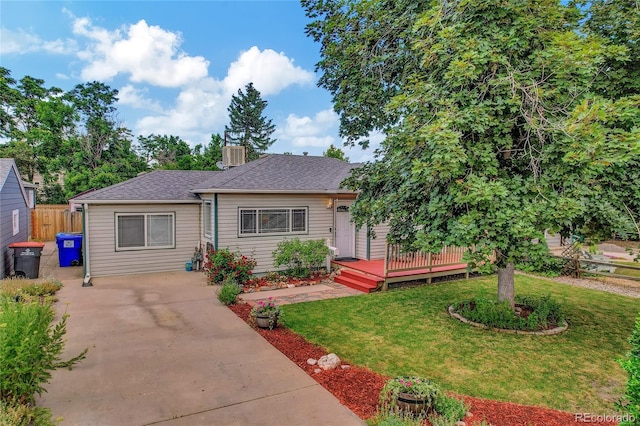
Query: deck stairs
[{"x": 359, "y": 281}]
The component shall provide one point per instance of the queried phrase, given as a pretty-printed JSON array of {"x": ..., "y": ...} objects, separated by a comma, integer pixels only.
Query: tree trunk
[{"x": 506, "y": 284}]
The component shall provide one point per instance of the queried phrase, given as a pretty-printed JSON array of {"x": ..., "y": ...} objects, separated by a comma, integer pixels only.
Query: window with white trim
[
  {"x": 206, "y": 218},
  {"x": 136, "y": 231},
  {"x": 256, "y": 221},
  {"x": 16, "y": 221}
]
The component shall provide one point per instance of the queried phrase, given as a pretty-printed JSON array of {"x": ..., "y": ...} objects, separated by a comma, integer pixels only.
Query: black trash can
[{"x": 26, "y": 258}]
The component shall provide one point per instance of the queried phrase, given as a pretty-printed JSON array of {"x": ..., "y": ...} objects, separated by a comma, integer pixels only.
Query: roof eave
[
  {"x": 79, "y": 201},
  {"x": 270, "y": 191}
]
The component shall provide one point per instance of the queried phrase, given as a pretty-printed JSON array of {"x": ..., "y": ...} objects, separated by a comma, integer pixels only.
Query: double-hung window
[
  {"x": 136, "y": 231},
  {"x": 260, "y": 221},
  {"x": 206, "y": 218}
]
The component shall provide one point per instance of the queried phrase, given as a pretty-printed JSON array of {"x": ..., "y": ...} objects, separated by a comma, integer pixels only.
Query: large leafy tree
[
  {"x": 495, "y": 129},
  {"x": 247, "y": 124}
]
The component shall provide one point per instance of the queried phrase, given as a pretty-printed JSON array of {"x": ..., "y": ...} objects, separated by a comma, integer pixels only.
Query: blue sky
[{"x": 176, "y": 64}]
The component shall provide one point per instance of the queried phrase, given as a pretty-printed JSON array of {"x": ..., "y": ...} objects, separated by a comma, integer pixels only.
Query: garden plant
[
  {"x": 300, "y": 257},
  {"x": 31, "y": 345},
  {"x": 223, "y": 263}
]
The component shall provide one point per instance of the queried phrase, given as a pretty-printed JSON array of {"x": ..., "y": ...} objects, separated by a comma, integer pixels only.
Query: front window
[
  {"x": 144, "y": 231},
  {"x": 206, "y": 218},
  {"x": 273, "y": 221}
]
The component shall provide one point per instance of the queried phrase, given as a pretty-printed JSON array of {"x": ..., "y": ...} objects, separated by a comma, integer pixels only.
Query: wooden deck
[{"x": 373, "y": 271}]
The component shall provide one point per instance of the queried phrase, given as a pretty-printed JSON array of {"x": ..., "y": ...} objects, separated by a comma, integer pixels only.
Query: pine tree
[{"x": 247, "y": 125}]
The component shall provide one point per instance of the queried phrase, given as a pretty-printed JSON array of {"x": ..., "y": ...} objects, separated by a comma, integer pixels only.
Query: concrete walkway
[
  {"x": 285, "y": 296},
  {"x": 164, "y": 350}
]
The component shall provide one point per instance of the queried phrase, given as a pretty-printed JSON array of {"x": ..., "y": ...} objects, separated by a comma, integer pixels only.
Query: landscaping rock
[
  {"x": 345, "y": 366},
  {"x": 312, "y": 361},
  {"x": 329, "y": 362},
  {"x": 317, "y": 370},
  {"x": 460, "y": 423}
]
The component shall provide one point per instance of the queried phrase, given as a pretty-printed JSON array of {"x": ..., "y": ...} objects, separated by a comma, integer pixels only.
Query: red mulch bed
[
  {"x": 358, "y": 388},
  {"x": 262, "y": 283}
]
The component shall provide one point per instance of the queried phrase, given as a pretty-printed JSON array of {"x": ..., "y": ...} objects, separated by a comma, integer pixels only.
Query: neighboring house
[
  {"x": 14, "y": 213},
  {"x": 155, "y": 221}
]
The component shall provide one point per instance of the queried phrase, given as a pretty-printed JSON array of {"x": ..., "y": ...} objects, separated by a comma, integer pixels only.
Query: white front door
[{"x": 345, "y": 236}]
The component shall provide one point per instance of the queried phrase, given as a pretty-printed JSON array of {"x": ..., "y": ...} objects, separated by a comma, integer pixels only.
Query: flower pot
[
  {"x": 267, "y": 320},
  {"x": 410, "y": 403}
]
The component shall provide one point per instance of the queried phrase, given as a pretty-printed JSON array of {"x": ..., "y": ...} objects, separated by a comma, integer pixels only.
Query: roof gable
[{"x": 6, "y": 166}]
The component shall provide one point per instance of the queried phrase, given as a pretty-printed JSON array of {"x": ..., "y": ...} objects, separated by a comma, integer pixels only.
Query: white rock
[
  {"x": 329, "y": 362},
  {"x": 345, "y": 366},
  {"x": 312, "y": 361},
  {"x": 460, "y": 423},
  {"x": 317, "y": 370}
]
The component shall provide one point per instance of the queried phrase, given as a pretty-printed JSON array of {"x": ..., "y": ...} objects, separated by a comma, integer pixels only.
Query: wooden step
[{"x": 357, "y": 281}]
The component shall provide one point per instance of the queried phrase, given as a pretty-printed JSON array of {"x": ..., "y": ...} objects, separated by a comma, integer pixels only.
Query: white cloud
[
  {"x": 149, "y": 54},
  {"x": 21, "y": 42},
  {"x": 201, "y": 107},
  {"x": 269, "y": 71},
  {"x": 137, "y": 98},
  {"x": 310, "y": 132}
]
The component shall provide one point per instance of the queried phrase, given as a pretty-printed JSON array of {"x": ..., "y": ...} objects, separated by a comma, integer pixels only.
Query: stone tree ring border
[{"x": 549, "y": 332}]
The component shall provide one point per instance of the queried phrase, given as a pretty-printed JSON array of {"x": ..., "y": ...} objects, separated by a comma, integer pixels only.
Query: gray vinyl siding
[
  {"x": 376, "y": 245},
  {"x": 11, "y": 198},
  {"x": 105, "y": 260},
  {"x": 319, "y": 219},
  {"x": 379, "y": 243},
  {"x": 361, "y": 243}
]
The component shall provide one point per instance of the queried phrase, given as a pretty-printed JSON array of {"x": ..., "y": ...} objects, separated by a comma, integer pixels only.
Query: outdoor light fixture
[{"x": 330, "y": 203}]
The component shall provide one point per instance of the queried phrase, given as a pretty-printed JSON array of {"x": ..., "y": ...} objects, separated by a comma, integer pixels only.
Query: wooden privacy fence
[{"x": 47, "y": 220}]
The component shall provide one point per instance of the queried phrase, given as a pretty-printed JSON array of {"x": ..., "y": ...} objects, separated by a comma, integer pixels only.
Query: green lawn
[
  {"x": 408, "y": 331},
  {"x": 627, "y": 271}
]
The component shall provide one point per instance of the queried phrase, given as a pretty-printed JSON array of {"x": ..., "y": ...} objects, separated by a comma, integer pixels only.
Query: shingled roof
[
  {"x": 272, "y": 173},
  {"x": 159, "y": 185},
  {"x": 282, "y": 173}
]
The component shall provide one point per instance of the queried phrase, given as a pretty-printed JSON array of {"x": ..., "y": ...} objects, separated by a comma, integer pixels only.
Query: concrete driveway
[{"x": 163, "y": 350}]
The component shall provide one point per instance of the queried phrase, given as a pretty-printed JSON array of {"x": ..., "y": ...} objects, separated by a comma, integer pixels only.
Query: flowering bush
[
  {"x": 268, "y": 309},
  {"x": 221, "y": 264}
]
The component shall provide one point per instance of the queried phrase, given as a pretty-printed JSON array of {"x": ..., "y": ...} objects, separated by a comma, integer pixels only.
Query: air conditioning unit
[{"x": 233, "y": 156}]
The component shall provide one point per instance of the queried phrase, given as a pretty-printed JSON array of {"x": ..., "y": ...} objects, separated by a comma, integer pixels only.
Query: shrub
[
  {"x": 630, "y": 403},
  {"x": 441, "y": 409},
  {"x": 14, "y": 414},
  {"x": 30, "y": 348},
  {"x": 46, "y": 288},
  {"x": 229, "y": 291},
  {"x": 221, "y": 264},
  {"x": 300, "y": 257},
  {"x": 19, "y": 288},
  {"x": 541, "y": 313}
]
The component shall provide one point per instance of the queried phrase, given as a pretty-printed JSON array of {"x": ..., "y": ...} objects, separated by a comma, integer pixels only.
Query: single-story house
[
  {"x": 15, "y": 213},
  {"x": 155, "y": 221}
]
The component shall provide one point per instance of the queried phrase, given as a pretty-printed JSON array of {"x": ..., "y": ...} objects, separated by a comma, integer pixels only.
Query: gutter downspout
[{"x": 86, "y": 268}]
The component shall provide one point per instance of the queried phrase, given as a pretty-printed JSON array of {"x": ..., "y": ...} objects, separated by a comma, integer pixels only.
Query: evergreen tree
[{"x": 247, "y": 125}]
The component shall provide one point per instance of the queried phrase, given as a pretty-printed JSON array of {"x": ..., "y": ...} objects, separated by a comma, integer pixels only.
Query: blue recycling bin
[{"x": 69, "y": 249}]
